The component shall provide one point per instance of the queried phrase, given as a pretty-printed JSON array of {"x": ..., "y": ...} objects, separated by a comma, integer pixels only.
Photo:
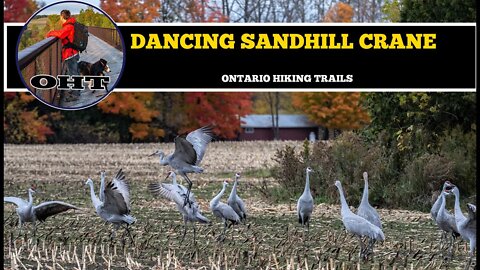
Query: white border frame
[{"x": 5, "y": 68}]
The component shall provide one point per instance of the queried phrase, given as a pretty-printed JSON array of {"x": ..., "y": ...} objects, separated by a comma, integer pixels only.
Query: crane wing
[
  {"x": 175, "y": 193},
  {"x": 47, "y": 209},
  {"x": 117, "y": 195},
  {"x": 167, "y": 191},
  {"x": 199, "y": 139},
  {"x": 184, "y": 151},
  {"x": 19, "y": 202},
  {"x": 227, "y": 212}
]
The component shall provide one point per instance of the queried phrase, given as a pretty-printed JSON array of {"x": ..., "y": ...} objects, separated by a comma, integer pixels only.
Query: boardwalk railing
[
  {"x": 109, "y": 35},
  {"x": 44, "y": 57}
]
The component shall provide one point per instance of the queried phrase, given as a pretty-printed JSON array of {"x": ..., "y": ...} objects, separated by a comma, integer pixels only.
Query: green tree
[{"x": 438, "y": 11}]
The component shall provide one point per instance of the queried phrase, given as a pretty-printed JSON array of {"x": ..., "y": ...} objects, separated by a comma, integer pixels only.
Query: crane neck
[
  {"x": 365, "y": 192},
  {"x": 96, "y": 202},
  {"x": 234, "y": 188},
  {"x": 174, "y": 179},
  {"x": 345, "y": 208},
  {"x": 218, "y": 197},
  {"x": 307, "y": 183},
  {"x": 30, "y": 197},
  {"x": 459, "y": 217},
  {"x": 442, "y": 202}
]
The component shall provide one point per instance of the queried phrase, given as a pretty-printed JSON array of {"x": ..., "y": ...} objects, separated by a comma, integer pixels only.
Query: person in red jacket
[{"x": 70, "y": 56}]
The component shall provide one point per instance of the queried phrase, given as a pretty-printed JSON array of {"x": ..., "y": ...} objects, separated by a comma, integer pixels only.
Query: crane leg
[
  {"x": 187, "y": 198},
  {"x": 20, "y": 225},
  {"x": 450, "y": 248},
  {"x": 194, "y": 233},
  {"x": 362, "y": 248},
  {"x": 224, "y": 230},
  {"x": 184, "y": 230},
  {"x": 129, "y": 234}
]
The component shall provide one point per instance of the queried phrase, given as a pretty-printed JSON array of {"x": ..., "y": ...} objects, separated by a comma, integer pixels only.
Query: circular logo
[{"x": 70, "y": 55}]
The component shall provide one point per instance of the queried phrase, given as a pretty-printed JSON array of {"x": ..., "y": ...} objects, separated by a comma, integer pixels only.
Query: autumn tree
[
  {"x": 333, "y": 110},
  {"x": 23, "y": 123},
  {"x": 222, "y": 110},
  {"x": 339, "y": 12},
  {"x": 132, "y": 10},
  {"x": 138, "y": 108},
  {"x": 18, "y": 10}
]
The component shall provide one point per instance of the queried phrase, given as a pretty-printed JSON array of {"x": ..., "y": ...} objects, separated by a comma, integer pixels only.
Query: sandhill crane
[
  {"x": 236, "y": 202},
  {"x": 223, "y": 211},
  {"x": 115, "y": 207},
  {"x": 27, "y": 212},
  {"x": 467, "y": 226},
  {"x": 176, "y": 193},
  {"x": 366, "y": 211},
  {"x": 436, "y": 208},
  {"x": 305, "y": 202},
  {"x": 188, "y": 154},
  {"x": 357, "y": 225},
  {"x": 445, "y": 220}
]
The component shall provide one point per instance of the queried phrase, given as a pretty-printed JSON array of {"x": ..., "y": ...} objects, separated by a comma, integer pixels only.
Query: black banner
[{"x": 439, "y": 57}]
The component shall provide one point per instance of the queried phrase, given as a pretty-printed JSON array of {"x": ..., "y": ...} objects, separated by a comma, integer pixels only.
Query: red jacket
[{"x": 67, "y": 31}]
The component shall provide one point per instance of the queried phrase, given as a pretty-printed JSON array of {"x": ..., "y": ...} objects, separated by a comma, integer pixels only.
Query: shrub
[{"x": 396, "y": 180}]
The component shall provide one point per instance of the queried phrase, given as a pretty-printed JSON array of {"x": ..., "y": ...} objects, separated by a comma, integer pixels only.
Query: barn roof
[{"x": 284, "y": 121}]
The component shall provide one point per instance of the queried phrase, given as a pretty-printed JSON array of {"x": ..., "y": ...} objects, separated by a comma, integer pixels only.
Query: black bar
[{"x": 451, "y": 65}]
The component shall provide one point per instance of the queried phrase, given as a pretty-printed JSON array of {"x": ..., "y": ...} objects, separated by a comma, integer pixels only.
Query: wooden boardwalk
[{"x": 97, "y": 49}]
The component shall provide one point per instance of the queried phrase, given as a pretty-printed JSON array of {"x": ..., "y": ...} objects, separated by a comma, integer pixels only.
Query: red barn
[{"x": 291, "y": 127}]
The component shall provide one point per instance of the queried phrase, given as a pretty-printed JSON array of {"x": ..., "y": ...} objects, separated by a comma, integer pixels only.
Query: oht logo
[{"x": 69, "y": 82}]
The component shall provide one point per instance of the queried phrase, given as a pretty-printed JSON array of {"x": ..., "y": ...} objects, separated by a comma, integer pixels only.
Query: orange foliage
[
  {"x": 338, "y": 110},
  {"x": 223, "y": 110},
  {"x": 132, "y": 10},
  {"x": 137, "y": 106},
  {"x": 22, "y": 125},
  {"x": 340, "y": 12},
  {"x": 203, "y": 11}
]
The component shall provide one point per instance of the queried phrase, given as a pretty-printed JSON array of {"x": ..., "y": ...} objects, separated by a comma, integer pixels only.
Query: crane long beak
[{"x": 152, "y": 154}]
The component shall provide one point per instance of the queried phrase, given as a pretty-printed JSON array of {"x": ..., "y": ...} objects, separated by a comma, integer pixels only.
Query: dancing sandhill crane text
[
  {"x": 177, "y": 193},
  {"x": 223, "y": 211},
  {"x": 27, "y": 212},
  {"x": 305, "y": 202},
  {"x": 188, "y": 154},
  {"x": 115, "y": 207},
  {"x": 358, "y": 226},
  {"x": 236, "y": 202}
]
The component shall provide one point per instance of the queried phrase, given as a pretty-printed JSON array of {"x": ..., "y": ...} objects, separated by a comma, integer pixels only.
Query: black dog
[{"x": 93, "y": 69}]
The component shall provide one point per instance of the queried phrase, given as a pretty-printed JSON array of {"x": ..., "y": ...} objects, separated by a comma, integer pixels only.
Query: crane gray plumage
[
  {"x": 358, "y": 225},
  {"x": 176, "y": 193},
  {"x": 467, "y": 226},
  {"x": 365, "y": 210},
  {"x": 28, "y": 212},
  {"x": 236, "y": 202},
  {"x": 223, "y": 211},
  {"x": 445, "y": 220},
  {"x": 305, "y": 202},
  {"x": 116, "y": 206},
  {"x": 436, "y": 208},
  {"x": 188, "y": 154}
]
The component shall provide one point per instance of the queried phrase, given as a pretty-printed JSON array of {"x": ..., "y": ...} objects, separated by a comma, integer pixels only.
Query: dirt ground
[{"x": 271, "y": 238}]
